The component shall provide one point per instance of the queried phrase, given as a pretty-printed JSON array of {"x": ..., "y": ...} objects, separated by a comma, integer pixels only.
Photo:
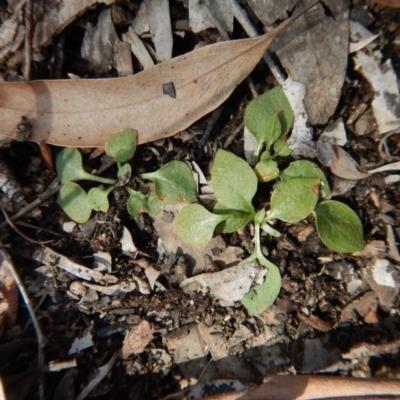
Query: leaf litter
[{"x": 120, "y": 315}]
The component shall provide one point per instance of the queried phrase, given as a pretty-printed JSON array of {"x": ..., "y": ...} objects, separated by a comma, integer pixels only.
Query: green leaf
[
  {"x": 273, "y": 129},
  {"x": 196, "y": 225},
  {"x": 235, "y": 220},
  {"x": 234, "y": 182},
  {"x": 73, "y": 200},
  {"x": 124, "y": 172},
  {"x": 266, "y": 170},
  {"x": 139, "y": 203},
  {"x": 266, "y": 155},
  {"x": 339, "y": 227},
  {"x": 264, "y": 295},
  {"x": 271, "y": 231},
  {"x": 306, "y": 169},
  {"x": 282, "y": 149},
  {"x": 173, "y": 183},
  {"x": 262, "y": 107},
  {"x": 294, "y": 199},
  {"x": 69, "y": 168},
  {"x": 98, "y": 199},
  {"x": 121, "y": 146}
]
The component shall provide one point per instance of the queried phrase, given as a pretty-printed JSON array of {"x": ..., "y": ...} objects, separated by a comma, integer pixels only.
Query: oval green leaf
[
  {"x": 173, "y": 183},
  {"x": 339, "y": 227},
  {"x": 262, "y": 296},
  {"x": 139, "y": 203},
  {"x": 306, "y": 169},
  {"x": 234, "y": 182},
  {"x": 125, "y": 173},
  {"x": 196, "y": 225},
  {"x": 294, "y": 199},
  {"x": 121, "y": 146},
  {"x": 235, "y": 219},
  {"x": 257, "y": 112},
  {"x": 266, "y": 170},
  {"x": 70, "y": 169},
  {"x": 73, "y": 200},
  {"x": 282, "y": 149},
  {"x": 98, "y": 199}
]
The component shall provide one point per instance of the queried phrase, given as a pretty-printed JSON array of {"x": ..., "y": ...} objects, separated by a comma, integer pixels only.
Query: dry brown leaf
[
  {"x": 315, "y": 53},
  {"x": 84, "y": 113},
  {"x": 389, "y": 3},
  {"x": 137, "y": 339},
  {"x": 8, "y": 292},
  {"x": 344, "y": 166}
]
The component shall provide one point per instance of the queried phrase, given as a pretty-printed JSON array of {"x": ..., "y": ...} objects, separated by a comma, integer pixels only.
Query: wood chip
[{"x": 137, "y": 338}]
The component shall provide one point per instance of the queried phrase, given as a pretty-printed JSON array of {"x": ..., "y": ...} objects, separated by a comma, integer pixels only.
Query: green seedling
[
  {"x": 299, "y": 195},
  {"x": 173, "y": 182}
]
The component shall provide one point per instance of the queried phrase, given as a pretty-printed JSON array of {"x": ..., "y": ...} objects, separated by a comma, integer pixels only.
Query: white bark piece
[
  {"x": 393, "y": 251},
  {"x": 202, "y": 178},
  {"x": 98, "y": 43},
  {"x": 160, "y": 27},
  {"x": 336, "y": 133},
  {"x": 112, "y": 290},
  {"x": 228, "y": 285},
  {"x": 48, "y": 256},
  {"x": 388, "y": 167},
  {"x": 123, "y": 58},
  {"x": 82, "y": 343},
  {"x": 200, "y": 20},
  {"x": 360, "y": 37},
  {"x": 386, "y": 102},
  {"x": 137, "y": 338},
  {"x": 138, "y": 48},
  {"x": 392, "y": 179},
  {"x": 127, "y": 241},
  {"x": 384, "y": 281},
  {"x": 301, "y": 139},
  {"x": 102, "y": 261},
  {"x": 141, "y": 23},
  {"x": 152, "y": 275},
  {"x": 269, "y": 11}
]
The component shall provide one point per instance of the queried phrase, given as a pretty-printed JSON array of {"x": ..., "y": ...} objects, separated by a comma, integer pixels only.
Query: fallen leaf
[
  {"x": 344, "y": 166},
  {"x": 389, "y": 3},
  {"x": 83, "y": 113},
  {"x": 137, "y": 338},
  {"x": 228, "y": 285},
  {"x": 318, "y": 58},
  {"x": 8, "y": 293}
]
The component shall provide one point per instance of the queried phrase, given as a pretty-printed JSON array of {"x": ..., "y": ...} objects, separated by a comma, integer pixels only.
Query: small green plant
[
  {"x": 299, "y": 194},
  {"x": 173, "y": 182}
]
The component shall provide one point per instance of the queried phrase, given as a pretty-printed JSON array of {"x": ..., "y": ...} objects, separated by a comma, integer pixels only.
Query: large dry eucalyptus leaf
[
  {"x": 315, "y": 53},
  {"x": 83, "y": 113}
]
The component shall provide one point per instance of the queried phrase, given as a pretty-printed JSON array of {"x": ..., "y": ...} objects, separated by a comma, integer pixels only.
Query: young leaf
[
  {"x": 266, "y": 155},
  {"x": 98, "y": 198},
  {"x": 257, "y": 112},
  {"x": 69, "y": 168},
  {"x": 306, "y": 169},
  {"x": 339, "y": 227},
  {"x": 139, "y": 203},
  {"x": 125, "y": 172},
  {"x": 236, "y": 219},
  {"x": 173, "y": 183},
  {"x": 121, "y": 146},
  {"x": 266, "y": 170},
  {"x": 263, "y": 296},
  {"x": 282, "y": 149},
  {"x": 234, "y": 182},
  {"x": 271, "y": 231},
  {"x": 73, "y": 200},
  {"x": 273, "y": 129},
  {"x": 196, "y": 225},
  {"x": 294, "y": 199}
]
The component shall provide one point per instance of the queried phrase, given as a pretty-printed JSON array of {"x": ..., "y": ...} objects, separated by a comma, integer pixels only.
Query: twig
[
  {"x": 28, "y": 39},
  {"x": 51, "y": 190},
  {"x": 14, "y": 227},
  {"x": 4, "y": 258}
]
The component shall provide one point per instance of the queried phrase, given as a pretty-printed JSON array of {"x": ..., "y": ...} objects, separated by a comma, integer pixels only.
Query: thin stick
[
  {"x": 28, "y": 39},
  {"x": 51, "y": 190}
]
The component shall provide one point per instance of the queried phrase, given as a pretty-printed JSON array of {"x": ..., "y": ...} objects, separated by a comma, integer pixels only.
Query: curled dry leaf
[
  {"x": 83, "y": 113},
  {"x": 344, "y": 166}
]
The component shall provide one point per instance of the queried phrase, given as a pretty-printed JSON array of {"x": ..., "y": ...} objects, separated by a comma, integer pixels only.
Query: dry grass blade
[{"x": 83, "y": 113}]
